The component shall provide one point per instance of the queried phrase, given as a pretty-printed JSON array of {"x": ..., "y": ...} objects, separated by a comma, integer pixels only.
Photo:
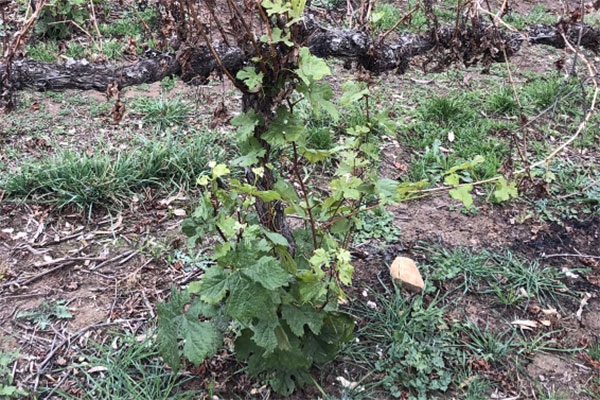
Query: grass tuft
[
  {"x": 163, "y": 112},
  {"x": 87, "y": 182},
  {"x": 128, "y": 370}
]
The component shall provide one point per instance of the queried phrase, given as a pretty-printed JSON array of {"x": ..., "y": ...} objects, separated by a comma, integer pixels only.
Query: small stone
[{"x": 405, "y": 272}]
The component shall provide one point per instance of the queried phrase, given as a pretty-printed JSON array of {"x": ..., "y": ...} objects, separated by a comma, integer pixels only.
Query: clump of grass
[
  {"x": 545, "y": 90},
  {"x": 594, "y": 351},
  {"x": 43, "y": 51},
  {"x": 163, "y": 112},
  {"x": 130, "y": 370},
  {"x": 76, "y": 50},
  {"x": 446, "y": 110},
  {"x": 100, "y": 180},
  {"x": 503, "y": 102},
  {"x": 113, "y": 49},
  {"x": 503, "y": 274},
  {"x": 538, "y": 15}
]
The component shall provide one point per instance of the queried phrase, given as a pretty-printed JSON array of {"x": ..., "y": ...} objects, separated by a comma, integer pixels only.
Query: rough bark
[{"x": 197, "y": 64}]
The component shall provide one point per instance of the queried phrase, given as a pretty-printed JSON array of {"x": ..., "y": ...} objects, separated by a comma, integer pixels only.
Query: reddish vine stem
[
  {"x": 212, "y": 49},
  {"x": 238, "y": 12},
  {"x": 211, "y": 10},
  {"x": 350, "y": 214},
  {"x": 305, "y": 195}
]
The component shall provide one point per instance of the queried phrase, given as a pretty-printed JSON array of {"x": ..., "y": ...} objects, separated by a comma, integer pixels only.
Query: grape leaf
[
  {"x": 297, "y": 317},
  {"x": 311, "y": 68},
  {"x": 505, "y": 191},
  {"x": 264, "y": 335},
  {"x": 463, "y": 194},
  {"x": 252, "y": 79},
  {"x": 202, "y": 340},
  {"x": 246, "y": 300},
  {"x": 352, "y": 92},
  {"x": 246, "y": 122},
  {"x": 213, "y": 286},
  {"x": 268, "y": 272}
]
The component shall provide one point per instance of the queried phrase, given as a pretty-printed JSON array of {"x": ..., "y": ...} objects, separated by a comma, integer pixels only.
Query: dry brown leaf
[{"x": 525, "y": 324}]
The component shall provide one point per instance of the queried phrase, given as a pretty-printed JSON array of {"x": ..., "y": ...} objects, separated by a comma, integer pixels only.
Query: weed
[
  {"x": 320, "y": 138},
  {"x": 503, "y": 102},
  {"x": 594, "y": 351},
  {"x": 7, "y": 389},
  {"x": 113, "y": 49},
  {"x": 376, "y": 224},
  {"x": 54, "y": 21},
  {"x": 489, "y": 346},
  {"x": 538, "y": 15},
  {"x": 41, "y": 316},
  {"x": 130, "y": 370},
  {"x": 87, "y": 182},
  {"x": 406, "y": 341},
  {"x": 446, "y": 110},
  {"x": 162, "y": 112},
  {"x": 545, "y": 90},
  {"x": 76, "y": 50},
  {"x": 508, "y": 276},
  {"x": 43, "y": 51},
  {"x": 129, "y": 26}
]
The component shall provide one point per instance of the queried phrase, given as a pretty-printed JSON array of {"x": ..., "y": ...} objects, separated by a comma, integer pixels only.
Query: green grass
[
  {"x": 407, "y": 343},
  {"x": 538, "y": 15},
  {"x": 502, "y": 102},
  {"x": 101, "y": 180},
  {"x": 446, "y": 110},
  {"x": 43, "y": 51},
  {"x": 130, "y": 370},
  {"x": 594, "y": 351},
  {"x": 113, "y": 49},
  {"x": 504, "y": 275},
  {"x": 162, "y": 112},
  {"x": 387, "y": 15},
  {"x": 419, "y": 347},
  {"x": 76, "y": 50},
  {"x": 543, "y": 91}
]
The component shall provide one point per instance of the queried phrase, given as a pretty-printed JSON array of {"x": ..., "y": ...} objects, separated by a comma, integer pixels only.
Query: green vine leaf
[
  {"x": 298, "y": 317},
  {"x": 252, "y": 79},
  {"x": 311, "y": 68},
  {"x": 246, "y": 122},
  {"x": 213, "y": 286},
  {"x": 314, "y": 156},
  {"x": 275, "y": 6},
  {"x": 319, "y": 96},
  {"x": 201, "y": 339},
  {"x": 246, "y": 300},
  {"x": 352, "y": 92},
  {"x": 463, "y": 193},
  {"x": 264, "y": 335},
  {"x": 278, "y": 36},
  {"x": 346, "y": 187},
  {"x": 452, "y": 180},
  {"x": 345, "y": 269},
  {"x": 268, "y": 272},
  {"x": 505, "y": 191},
  {"x": 285, "y": 128}
]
